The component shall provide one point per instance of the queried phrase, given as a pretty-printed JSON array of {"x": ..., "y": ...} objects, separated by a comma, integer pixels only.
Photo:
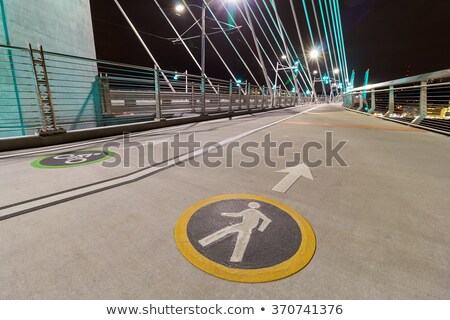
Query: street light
[
  {"x": 314, "y": 54},
  {"x": 315, "y": 72},
  {"x": 179, "y": 8},
  {"x": 336, "y": 71},
  {"x": 284, "y": 57}
]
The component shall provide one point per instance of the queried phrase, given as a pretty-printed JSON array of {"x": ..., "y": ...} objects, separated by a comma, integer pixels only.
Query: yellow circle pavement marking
[{"x": 304, "y": 248}]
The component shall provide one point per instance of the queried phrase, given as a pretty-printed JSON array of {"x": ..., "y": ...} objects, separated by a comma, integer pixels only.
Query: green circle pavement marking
[{"x": 72, "y": 159}]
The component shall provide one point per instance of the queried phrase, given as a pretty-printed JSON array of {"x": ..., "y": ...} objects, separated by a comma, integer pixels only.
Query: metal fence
[
  {"x": 45, "y": 93},
  {"x": 422, "y": 100}
]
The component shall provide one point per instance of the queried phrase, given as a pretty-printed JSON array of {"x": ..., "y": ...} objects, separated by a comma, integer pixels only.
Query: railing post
[
  {"x": 230, "y": 104},
  {"x": 280, "y": 99},
  {"x": 248, "y": 96},
  {"x": 423, "y": 103},
  {"x": 203, "y": 88},
  {"x": 218, "y": 97},
  {"x": 391, "y": 102},
  {"x": 273, "y": 97},
  {"x": 372, "y": 101},
  {"x": 361, "y": 101},
  {"x": 192, "y": 97},
  {"x": 106, "y": 93},
  {"x": 352, "y": 100},
  {"x": 239, "y": 97},
  {"x": 277, "y": 97},
  {"x": 158, "y": 113},
  {"x": 263, "y": 93}
]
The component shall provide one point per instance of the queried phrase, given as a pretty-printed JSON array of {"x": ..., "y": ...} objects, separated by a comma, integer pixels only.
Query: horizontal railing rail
[
  {"x": 51, "y": 93},
  {"x": 422, "y": 100}
]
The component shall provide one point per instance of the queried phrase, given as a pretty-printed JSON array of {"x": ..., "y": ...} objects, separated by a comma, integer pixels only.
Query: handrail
[
  {"x": 422, "y": 100},
  {"x": 426, "y": 76},
  {"x": 92, "y": 93}
]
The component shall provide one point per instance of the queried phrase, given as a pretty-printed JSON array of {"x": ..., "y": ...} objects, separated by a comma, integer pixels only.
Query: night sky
[{"x": 387, "y": 36}]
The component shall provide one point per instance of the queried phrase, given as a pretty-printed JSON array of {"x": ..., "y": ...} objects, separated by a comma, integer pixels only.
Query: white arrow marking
[{"x": 294, "y": 173}]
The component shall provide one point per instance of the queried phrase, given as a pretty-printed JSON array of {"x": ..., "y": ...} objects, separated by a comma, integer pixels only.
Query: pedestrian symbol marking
[
  {"x": 250, "y": 220},
  {"x": 245, "y": 238},
  {"x": 72, "y": 159}
]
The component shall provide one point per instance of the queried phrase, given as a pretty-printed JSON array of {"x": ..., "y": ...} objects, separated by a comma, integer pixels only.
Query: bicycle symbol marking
[
  {"x": 76, "y": 158},
  {"x": 72, "y": 159}
]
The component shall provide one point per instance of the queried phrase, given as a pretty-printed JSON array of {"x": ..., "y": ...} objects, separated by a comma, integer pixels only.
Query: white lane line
[{"x": 65, "y": 196}]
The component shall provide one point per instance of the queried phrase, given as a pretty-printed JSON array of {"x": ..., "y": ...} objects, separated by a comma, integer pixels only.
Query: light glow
[
  {"x": 179, "y": 8},
  {"x": 314, "y": 54}
]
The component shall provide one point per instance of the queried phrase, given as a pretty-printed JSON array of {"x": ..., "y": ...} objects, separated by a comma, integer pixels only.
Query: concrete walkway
[{"x": 90, "y": 232}]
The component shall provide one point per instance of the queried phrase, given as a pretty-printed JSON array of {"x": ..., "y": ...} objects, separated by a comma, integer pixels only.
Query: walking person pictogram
[{"x": 250, "y": 220}]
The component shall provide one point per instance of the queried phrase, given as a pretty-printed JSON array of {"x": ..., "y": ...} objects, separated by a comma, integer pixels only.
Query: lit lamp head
[
  {"x": 179, "y": 8},
  {"x": 314, "y": 54}
]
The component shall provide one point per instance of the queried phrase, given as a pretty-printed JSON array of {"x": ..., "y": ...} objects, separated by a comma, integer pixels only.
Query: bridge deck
[{"x": 381, "y": 222}]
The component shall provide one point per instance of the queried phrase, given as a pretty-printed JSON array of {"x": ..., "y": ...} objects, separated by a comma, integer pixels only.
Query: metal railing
[
  {"x": 91, "y": 93},
  {"x": 422, "y": 100}
]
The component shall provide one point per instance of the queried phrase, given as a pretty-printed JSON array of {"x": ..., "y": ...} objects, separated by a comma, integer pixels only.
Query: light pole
[
  {"x": 179, "y": 9},
  {"x": 203, "y": 57},
  {"x": 336, "y": 73},
  {"x": 314, "y": 54}
]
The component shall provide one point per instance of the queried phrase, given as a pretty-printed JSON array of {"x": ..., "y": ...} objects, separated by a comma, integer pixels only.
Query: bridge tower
[{"x": 63, "y": 26}]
